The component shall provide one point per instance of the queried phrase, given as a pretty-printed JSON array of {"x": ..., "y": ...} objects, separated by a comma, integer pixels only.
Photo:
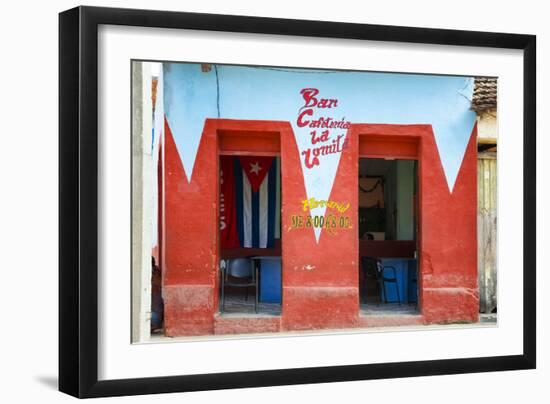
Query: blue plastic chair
[{"x": 389, "y": 279}]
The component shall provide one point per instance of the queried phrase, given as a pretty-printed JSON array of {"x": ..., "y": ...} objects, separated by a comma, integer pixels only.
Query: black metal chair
[
  {"x": 371, "y": 271},
  {"x": 388, "y": 279},
  {"x": 240, "y": 273}
]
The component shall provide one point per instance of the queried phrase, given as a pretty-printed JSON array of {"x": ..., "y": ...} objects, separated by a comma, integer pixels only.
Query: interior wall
[
  {"x": 404, "y": 200},
  {"x": 399, "y": 191},
  {"x": 390, "y": 192}
]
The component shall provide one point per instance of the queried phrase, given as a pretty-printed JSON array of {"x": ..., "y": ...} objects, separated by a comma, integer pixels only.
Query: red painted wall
[
  {"x": 320, "y": 281},
  {"x": 448, "y": 224},
  {"x": 190, "y": 239},
  {"x": 449, "y": 290}
]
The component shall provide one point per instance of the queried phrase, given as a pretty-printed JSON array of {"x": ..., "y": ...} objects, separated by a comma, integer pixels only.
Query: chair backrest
[
  {"x": 389, "y": 278},
  {"x": 369, "y": 266},
  {"x": 240, "y": 268},
  {"x": 379, "y": 268}
]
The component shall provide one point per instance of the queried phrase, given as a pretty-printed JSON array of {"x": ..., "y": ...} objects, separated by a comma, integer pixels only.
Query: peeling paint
[{"x": 427, "y": 268}]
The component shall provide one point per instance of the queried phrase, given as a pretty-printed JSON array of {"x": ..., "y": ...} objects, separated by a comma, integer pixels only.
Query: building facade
[{"x": 318, "y": 126}]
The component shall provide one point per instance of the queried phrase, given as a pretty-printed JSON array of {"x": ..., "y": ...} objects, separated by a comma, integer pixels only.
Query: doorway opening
[
  {"x": 250, "y": 235},
  {"x": 388, "y": 236}
]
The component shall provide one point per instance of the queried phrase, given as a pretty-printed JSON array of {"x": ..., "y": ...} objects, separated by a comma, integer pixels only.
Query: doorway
[
  {"x": 388, "y": 235},
  {"x": 250, "y": 271}
]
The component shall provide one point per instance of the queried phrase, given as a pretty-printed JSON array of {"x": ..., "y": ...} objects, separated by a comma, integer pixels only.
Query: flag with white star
[
  {"x": 250, "y": 199},
  {"x": 255, "y": 168}
]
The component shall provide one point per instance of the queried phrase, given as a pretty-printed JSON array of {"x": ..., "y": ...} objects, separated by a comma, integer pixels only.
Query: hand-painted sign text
[{"x": 323, "y": 141}]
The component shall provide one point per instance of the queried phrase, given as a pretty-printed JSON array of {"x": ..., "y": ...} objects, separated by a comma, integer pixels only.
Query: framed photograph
[{"x": 251, "y": 201}]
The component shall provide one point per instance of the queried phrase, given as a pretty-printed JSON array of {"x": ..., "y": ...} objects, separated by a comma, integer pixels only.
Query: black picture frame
[{"x": 78, "y": 201}]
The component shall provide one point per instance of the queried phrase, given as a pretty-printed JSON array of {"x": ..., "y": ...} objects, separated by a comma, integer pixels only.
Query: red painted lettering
[
  {"x": 322, "y": 138},
  {"x": 308, "y": 161},
  {"x": 300, "y": 121},
  {"x": 309, "y": 97}
]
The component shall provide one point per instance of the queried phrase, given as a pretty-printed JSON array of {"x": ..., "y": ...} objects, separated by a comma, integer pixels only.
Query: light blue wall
[{"x": 238, "y": 92}]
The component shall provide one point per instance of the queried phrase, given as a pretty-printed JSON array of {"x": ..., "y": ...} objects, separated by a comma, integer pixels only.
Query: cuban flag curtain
[{"x": 249, "y": 201}]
